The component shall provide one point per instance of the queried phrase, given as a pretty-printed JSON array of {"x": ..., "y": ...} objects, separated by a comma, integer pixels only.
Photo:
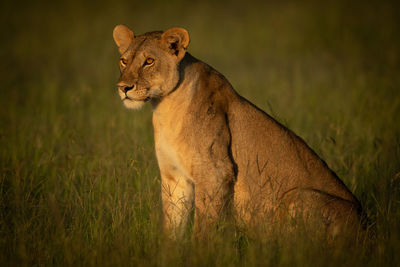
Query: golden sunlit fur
[{"x": 216, "y": 151}]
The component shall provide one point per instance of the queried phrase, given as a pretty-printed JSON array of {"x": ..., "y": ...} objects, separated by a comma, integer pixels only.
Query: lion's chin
[{"x": 133, "y": 104}]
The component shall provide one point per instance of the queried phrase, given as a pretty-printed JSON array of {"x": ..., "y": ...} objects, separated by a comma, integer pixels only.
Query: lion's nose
[{"x": 125, "y": 88}]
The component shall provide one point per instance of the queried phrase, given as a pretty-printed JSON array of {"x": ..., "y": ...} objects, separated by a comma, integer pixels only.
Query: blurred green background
[{"x": 79, "y": 182}]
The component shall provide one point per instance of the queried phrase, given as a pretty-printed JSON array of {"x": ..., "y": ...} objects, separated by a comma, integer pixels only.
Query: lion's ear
[
  {"x": 176, "y": 41},
  {"x": 123, "y": 37}
]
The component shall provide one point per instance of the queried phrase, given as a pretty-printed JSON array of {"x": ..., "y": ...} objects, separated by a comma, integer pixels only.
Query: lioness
[{"x": 217, "y": 152}]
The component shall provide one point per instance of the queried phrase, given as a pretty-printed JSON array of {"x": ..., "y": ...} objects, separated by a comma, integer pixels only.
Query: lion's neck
[{"x": 182, "y": 95}]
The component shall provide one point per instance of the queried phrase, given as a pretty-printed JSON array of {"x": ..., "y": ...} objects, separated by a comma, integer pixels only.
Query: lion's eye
[
  {"x": 149, "y": 61},
  {"x": 123, "y": 61}
]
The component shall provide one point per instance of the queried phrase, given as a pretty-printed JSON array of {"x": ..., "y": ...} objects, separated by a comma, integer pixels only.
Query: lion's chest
[{"x": 171, "y": 150}]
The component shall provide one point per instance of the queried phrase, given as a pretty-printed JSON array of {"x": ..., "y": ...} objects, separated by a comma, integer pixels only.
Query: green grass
[{"x": 79, "y": 182}]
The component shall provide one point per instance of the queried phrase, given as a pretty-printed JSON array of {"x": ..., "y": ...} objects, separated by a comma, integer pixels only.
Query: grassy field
[{"x": 79, "y": 182}]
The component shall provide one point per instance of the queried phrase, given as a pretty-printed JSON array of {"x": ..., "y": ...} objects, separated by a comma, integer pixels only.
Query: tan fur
[{"x": 216, "y": 151}]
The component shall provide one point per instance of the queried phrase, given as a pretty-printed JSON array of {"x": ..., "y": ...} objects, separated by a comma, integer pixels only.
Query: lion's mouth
[{"x": 136, "y": 99}]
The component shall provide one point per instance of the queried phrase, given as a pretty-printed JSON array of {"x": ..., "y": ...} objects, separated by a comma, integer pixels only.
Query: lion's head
[{"x": 149, "y": 63}]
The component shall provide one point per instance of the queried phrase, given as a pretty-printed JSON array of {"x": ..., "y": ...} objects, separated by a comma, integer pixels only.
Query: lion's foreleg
[
  {"x": 178, "y": 202},
  {"x": 214, "y": 199}
]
